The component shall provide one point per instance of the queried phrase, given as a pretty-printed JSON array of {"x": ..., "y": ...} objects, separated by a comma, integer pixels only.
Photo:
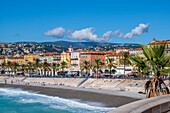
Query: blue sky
[{"x": 29, "y": 20}]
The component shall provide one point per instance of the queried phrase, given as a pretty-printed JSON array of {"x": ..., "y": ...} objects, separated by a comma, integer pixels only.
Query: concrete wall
[{"x": 160, "y": 104}]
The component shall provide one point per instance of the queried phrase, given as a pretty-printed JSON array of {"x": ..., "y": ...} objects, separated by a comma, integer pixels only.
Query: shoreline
[{"x": 106, "y": 97}]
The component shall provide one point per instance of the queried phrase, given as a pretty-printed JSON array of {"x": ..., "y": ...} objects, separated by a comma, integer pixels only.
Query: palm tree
[
  {"x": 29, "y": 67},
  {"x": 98, "y": 64},
  {"x": 3, "y": 66},
  {"x": 125, "y": 60},
  {"x": 45, "y": 67},
  {"x": 110, "y": 64},
  {"x": 23, "y": 67},
  {"x": 54, "y": 65},
  {"x": 15, "y": 67},
  {"x": 9, "y": 66},
  {"x": 37, "y": 64},
  {"x": 141, "y": 63},
  {"x": 63, "y": 65},
  {"x": 92, "y": 67},
  {"x": 158, "y": 61},
  {"x": 86, "y": 65}
]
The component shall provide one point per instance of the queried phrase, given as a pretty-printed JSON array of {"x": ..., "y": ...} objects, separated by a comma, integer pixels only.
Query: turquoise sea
[{"x": 13, "y": 100}]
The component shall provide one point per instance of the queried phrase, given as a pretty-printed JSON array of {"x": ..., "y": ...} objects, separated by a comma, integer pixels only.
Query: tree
[
  {"x": 29, "y": 67},
  {"x": 15, "y": 67},
  {"x": 125, "y": 60},
  {"x": 98, "y": 64},
  {"x": 46, "y": 67},
  {"x": 23, "y": 67},
  {"x": 37, "y": 64},
  {"x": 141, "y": 63},
  {"x": 54, "y": 65},
  {"x": 110, "y": 64},
  {"x": 3, "y": 66},
  {"x": 9, "y": 66},
  {"x": 85, "y": 65},
  {"x": 63, "y": 65},
  {"x": 158, "y": 61}
]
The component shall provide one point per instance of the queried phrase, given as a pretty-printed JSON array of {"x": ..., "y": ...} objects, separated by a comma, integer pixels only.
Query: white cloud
[
  {"x": 57, "y": 32},
  {"x": 107, "y": 35},
  {"x": 88, "y": 33},
  {"x": 134, "y": 32},
  {"x": 84, "y": 34}
]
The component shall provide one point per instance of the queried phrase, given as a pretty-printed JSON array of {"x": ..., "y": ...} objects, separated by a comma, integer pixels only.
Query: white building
[
  {"x": 122, "y": 49},
  {"x": 75, "y": 60},
  {"x": 50, "y": 57}
]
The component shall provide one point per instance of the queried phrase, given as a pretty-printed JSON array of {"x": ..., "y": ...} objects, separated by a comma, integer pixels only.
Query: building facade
[
  {"x": 16, "y": 58},
  {"x": 122, "y": 49},
  {"x": 136, "y": 51},
  {"x": 66, "y": 57},
  {"x": 30, "y": 58},
  {"x": 91, "y": 56},
  {"x": 50, "y": 57},
  {"x": 117, "y": 58},
  {"x": 155, "y": 43},
  {"x": 75, "y": 58}
]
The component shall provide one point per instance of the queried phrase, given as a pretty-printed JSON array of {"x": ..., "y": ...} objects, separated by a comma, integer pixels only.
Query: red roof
[
  {"x": 2, "y": 57},
  {"x": 20, "y": 57},
  {"x": 115, "y": 55},
  {"x": 80, "y": 51},
  {"x": 122, "y": 48},
  {"x": 38, "y": 53},
  {"x": 93, "y": 52},
  {"x": 160, "y": 42},
  {"x": 46, "y": 54},
  {"x": 136, "y": 49},
  {"x": 110, "y": 52},
  {"x": 70, "y": 46}
]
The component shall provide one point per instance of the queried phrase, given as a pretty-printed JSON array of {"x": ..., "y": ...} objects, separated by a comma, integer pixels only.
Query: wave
[{"x": 73, "y": 105}]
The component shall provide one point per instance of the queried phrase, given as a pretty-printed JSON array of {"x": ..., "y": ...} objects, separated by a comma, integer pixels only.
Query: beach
[
  {"x": 67, "y": 88},
  {"x": 109, "y": 100}
]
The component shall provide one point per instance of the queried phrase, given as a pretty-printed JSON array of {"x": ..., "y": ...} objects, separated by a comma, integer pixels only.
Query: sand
[{"x": 106, "y": 97}]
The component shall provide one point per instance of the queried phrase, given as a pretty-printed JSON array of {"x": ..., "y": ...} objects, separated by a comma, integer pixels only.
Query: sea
[{"x": 14, "y": 100}]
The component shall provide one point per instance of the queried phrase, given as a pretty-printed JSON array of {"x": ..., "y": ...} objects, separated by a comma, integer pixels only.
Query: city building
[
  {"x": 50, "y": 57},
  {"x": 155, "y": 43},
  {"x": 117, "y": 58},
  {"x": 122, "y": 49},
  {"x": 16, "y": 58},
  {"x": 91, "y": 56},
  {"x": 75, "y": 60},
  {"x": 136, "y": 51},
  {"x": 30, "y": 57},
  {"x": 2, "y": 59},
  {"x": 65, "y": 56}
]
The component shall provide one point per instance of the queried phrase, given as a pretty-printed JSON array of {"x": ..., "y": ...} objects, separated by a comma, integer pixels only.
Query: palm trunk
[
  {"x": 53, "y": 72},
  {"x": 110, "y": 72},
  {"x": 86, "y": 71},
  {"x": 124, "y": 67},
  {"x": 97, "y": 72}
]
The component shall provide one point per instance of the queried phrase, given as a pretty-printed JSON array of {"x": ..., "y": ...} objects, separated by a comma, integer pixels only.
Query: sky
[{"x": 117, "y": 21}]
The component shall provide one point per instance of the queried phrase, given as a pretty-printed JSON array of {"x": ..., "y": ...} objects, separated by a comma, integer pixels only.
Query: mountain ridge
[{"x": 77, "y": 44}]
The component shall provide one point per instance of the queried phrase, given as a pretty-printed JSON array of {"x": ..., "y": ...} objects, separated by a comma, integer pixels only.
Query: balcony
[{"x": 74, "y": 58}]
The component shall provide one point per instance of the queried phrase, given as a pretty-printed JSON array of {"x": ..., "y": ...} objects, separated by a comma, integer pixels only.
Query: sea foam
[{"x": 72, "y": 105}]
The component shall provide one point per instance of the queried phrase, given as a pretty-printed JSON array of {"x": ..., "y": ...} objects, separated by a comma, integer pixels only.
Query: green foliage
[{"x": 156, "y": 58}]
